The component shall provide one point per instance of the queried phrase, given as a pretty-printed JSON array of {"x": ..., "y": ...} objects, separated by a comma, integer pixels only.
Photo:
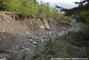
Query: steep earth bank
[{"x": 15, "y": 24}]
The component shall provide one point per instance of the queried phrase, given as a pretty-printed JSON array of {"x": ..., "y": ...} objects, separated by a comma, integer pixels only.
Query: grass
[
  {"x": 87, "y": 49},
  {"x": 64, "y": 37},
  {"x": 37, "y": 52},
  {"x": 69, "y": 51},
  {"x": 59, "y": 46},
  {"x": 5, "y": 12},
  {"x": 9, "y": 12}
]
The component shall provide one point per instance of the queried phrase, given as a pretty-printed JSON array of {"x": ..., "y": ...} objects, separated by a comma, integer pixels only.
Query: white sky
[
  {"x": 69, "y": 3},
  {"x": 61, "y": 1}
]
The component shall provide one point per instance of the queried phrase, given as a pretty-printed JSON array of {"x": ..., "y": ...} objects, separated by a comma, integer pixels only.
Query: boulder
[{"x": 47, "y": 26}]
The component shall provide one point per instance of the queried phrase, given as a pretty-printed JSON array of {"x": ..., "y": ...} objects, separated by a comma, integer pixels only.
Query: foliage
[
  {"x": 36, "y": 53},
  {"x": 30, "y": 8},
  {"x": 69, "y": 52},
  {"x": 82, "y": 6},
  {"x": 50, "y": 49},
  {"x": 80, "y": 39},
  {"x": 77, "y": 38},
  {"x": 55, "y": 13},
  {"x": 83, "y": 16},
  {"x": 48, "y": 11},
  {"x": 41, "y": 11},
  {"x": 60, "y": 16}
]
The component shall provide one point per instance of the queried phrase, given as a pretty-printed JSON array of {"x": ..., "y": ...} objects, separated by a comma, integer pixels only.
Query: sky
[{"x": 63, "y": 3}]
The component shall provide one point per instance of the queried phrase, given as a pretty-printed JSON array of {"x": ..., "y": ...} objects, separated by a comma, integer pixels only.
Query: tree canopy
[
  {"x": 83, "y": 5},
  {"x": 30, "y": 8}
]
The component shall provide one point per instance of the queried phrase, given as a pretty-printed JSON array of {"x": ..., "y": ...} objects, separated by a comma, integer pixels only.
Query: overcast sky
[{"x": 63, "y": 3}]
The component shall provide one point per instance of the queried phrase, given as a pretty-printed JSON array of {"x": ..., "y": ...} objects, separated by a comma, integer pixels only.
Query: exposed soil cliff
[{"x": 13, "y": 23}]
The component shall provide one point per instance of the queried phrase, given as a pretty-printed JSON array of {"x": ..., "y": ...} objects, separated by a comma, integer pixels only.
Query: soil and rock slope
[{"x": 18, "y": 35}]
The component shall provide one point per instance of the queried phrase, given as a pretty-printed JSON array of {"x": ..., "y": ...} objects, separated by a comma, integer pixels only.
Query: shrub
[
  {"x": 83, "y": 16},
  {"x": 29, "y": 8}
]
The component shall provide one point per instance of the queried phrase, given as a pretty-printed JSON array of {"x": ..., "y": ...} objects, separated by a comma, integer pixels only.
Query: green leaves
[
  {"x": 83, "y": 16},
  {"x": 30, "y": 8}
]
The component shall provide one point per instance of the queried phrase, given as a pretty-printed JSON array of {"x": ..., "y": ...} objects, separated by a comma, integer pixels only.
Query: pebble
[
  {"x": 36, "y": 37},
  {"x": 31, "y": 40},
  {"x": 35, "y": 43},
  {"x": 42, "y": 40}
]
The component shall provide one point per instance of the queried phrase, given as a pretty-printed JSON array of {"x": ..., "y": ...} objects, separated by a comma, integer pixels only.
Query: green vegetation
[
  {"x": 36, "y": 53},
  {"x": 30, "y": 8},
  {"x": 50, "y": 49},
  {"x": 69, "y": 52},
  {"x": 82, "y": 6},
  {"x": 5, "y": 12},
  {"x": 81, "y": 13},
  {"x": 77, "y": 38},
  {"x": 80, "y": 39},
  {"x": 53, "y": 48},
  {"x": 83, "y": 16}
]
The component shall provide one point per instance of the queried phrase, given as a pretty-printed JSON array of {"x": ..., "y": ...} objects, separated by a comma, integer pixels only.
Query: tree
[
  {"x": 41, "y": 11},
  {"x": 48, "y": 11},
  {"x": 83, "y": 5},
  {"x": 4, "y": 4},
  {"x": 55, "y": 14},
  {"x": 30, "y": 8}
]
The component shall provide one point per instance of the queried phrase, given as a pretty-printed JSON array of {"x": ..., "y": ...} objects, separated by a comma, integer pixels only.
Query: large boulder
[{"x": 47, "y": 26}]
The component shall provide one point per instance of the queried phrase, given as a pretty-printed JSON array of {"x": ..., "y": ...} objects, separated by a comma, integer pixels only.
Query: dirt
[{"x": 17, "y": 34}]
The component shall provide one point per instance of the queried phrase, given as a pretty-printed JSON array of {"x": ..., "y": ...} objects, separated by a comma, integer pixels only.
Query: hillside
[
  {"x": 13, "y": 23},
  {"x": 19, "y": 36},
  {"x": 33, "y": 31}
]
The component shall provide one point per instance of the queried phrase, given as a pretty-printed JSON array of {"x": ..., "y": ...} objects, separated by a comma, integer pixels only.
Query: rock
[
  {"x": 36, "y": 37},
  {"x": 42, "y": 40},
  {"x": 42, "y": 27},
  {"x": 1, "y": 16},
  {"x": 3, "y": 51},
  {"x": 40, "y": 33},
  {"x": 32, "y": 36},
  {"x": 3, "y": 59},
  {"x": 19, "y": 47},
  {"x": 74, "y": 21},
  {"x": 3, "y": 30},
  {"x": 47, "y": 26},
  {"x": 13, "y": 16},
  {"x": 19, "y": 55},
  {"x": 28, "y": 33},
  {"x": 64, "y": 28},
  {"x": 78, "y": 52},
  {"x": 49, "y": 33},
  {"x": 31, "y": 40},
  {"x": 35, "y": 43}
]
